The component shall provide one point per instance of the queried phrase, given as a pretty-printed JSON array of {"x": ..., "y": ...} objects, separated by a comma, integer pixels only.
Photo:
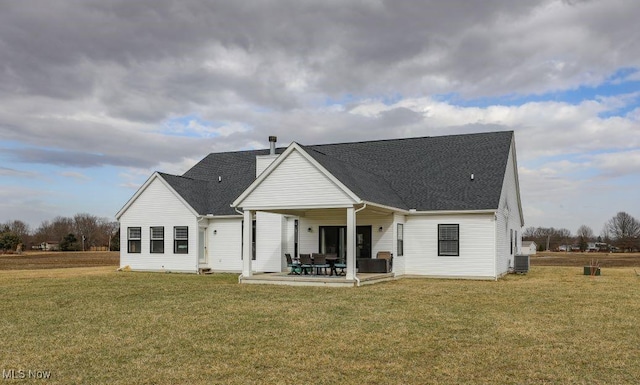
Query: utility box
[
  {"x": 521, "y": 263},
  {"x": 591, "y": 270}
]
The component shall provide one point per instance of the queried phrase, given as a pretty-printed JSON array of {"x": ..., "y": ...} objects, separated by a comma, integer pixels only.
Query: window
[
  {"x": 157, "y": 240},
  {"x": 134, "y": 242},
  {"x": 449, "y": 240},
  {"x": 400, "y": 250},
  {"x": 181, "y": 240}
]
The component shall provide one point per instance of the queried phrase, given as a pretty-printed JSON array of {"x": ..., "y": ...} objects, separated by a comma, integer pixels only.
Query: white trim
[
  {"x": 265, "y": 174},
  {"x": 144, "y": 186},
  {"x": 515, "y": 172},
  {"x": 449, "y": 212}
]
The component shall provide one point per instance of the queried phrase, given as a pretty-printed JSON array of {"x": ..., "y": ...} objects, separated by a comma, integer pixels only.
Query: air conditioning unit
[{"x": 521, "y": 263}]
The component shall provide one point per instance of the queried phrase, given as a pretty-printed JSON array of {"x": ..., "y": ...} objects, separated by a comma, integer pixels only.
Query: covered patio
[{"x": 329, "y": 218}]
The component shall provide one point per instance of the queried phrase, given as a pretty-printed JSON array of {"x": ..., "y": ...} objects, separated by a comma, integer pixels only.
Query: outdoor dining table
[{"x": 332, "y": 265}]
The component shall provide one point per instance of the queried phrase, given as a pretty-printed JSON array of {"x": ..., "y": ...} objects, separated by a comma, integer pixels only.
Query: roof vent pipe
[{"x": 272, "y": 145}]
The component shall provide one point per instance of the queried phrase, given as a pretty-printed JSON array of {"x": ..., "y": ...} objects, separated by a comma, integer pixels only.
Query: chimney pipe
[{"x": 272, "y": 145}]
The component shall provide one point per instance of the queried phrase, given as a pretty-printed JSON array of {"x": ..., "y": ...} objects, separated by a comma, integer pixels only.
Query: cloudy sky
[{"x": 96, "y": 95}]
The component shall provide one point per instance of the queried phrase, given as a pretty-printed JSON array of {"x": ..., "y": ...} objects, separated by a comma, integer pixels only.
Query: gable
[
  {"x": 510, "y": 203},
  {"x": 295, "y": 181},
  {"x": 155, "y": 197}
]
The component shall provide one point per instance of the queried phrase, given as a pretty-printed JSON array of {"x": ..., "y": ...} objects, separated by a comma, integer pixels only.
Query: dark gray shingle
[{"x": 429, "y": 173}]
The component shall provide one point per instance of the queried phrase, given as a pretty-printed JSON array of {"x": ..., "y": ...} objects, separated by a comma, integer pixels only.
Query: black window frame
[
  {"x": 400, "y": 238},
  {"x": 134, "y": 241},
  {"x": 155, "y": 242},
  {"x": 511, "y": 237},
  {"x": 180, "y": 245},
  {"x": 455, "y": 241}
]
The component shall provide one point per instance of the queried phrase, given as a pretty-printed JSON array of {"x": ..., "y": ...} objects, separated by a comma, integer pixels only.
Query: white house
[
  {"x": 529, "y": 247},
  {"x": 444, "y": 206}
]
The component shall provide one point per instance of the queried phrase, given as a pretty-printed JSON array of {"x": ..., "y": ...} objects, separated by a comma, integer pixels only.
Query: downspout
[{"x": 356, "y": 214}]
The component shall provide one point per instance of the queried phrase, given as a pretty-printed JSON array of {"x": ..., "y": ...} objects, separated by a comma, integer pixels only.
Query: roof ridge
[{"x": 412, "y": 138}]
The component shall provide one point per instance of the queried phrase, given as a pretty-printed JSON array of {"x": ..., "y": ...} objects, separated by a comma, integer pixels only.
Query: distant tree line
[
  {"x": 69, "y": 234},
  {"x": 622, "y": 232}
]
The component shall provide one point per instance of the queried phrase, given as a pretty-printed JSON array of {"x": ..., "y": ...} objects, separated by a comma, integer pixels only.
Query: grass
[
  {"x": 93, "y": 325},
  {"x": 58, "y": 259}
]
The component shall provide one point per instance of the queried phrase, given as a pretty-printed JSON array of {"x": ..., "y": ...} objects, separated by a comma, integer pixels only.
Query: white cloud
[{"x": 617, "y": 164}]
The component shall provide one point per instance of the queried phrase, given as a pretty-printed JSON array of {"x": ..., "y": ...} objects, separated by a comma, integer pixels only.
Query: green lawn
[{"x": 94, "y": 325}]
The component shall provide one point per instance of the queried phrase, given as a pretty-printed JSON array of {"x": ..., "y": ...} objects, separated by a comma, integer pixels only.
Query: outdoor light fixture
[
  {"x": 215, "y": 232},
  {"x": 309, "y": 229},
  {"x": 380, "y": 229}
]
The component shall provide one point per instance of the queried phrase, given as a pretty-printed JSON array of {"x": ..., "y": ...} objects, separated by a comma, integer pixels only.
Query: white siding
[
  {"x": 269, "y": 253},
  {"x": 225, "y": 246},
  {"x": 158, "y": 206},
  {"x": 380, "y": 240},
  {"x": 296, "y": 183},
  {"x": 504, "y": 224},
  {"x": 477, "y": 251}
]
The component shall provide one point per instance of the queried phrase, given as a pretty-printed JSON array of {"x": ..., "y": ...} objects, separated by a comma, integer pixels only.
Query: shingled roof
[{"x": 426, "y": 174}]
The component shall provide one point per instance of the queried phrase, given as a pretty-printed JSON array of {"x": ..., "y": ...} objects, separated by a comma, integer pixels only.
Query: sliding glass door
[{"x": 333, "y": 240}]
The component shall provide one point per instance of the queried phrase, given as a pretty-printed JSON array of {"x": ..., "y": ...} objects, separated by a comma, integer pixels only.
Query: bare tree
[
  {"x": 585, "y": 235},
  {"x": 55, "y": 230},
  {"x": 548, "y": 237},
  {"x": 624, "y": 230},
  {"x": 87, "y": 230}
]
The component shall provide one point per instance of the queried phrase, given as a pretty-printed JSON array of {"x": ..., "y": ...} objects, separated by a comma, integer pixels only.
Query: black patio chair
[
  {"x": 305, "y": 263},
  {"x": 294, "y": 266},
  {"x": 320, "y": 263}
]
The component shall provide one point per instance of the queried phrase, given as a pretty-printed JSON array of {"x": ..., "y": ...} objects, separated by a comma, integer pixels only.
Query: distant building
[
  {"x": 529, "y": 247},
  {"x": 50, "y": 246}
]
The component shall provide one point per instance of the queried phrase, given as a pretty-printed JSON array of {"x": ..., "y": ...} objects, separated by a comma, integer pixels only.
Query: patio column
[
  {"x": 351, "y": 243},
  {"x": 247, "y": 242}
]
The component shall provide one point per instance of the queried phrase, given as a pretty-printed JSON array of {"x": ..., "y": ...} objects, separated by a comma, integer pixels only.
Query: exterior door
[
  {"x": 333, "y": 240},
  {"x": 363, "y": 242},
  {"x": 202, "y": 246}
]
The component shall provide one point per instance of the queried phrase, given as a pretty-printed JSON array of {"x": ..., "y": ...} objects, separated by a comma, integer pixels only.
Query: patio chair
[
  {"x": 305, "y": 263},
  {"x": 294, "y": 266},
  {"x": 320, "y": 263},
  {"x": 340, "y": 264}
]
